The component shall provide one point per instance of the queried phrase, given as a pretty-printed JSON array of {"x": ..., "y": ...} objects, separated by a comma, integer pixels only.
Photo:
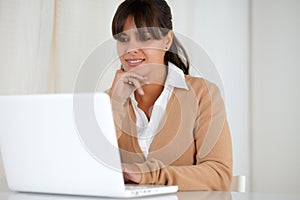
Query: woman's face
[{"x": 136, "y": 49}]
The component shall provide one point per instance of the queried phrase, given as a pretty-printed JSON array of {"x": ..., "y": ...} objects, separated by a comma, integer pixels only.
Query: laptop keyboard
[
  {"x": 139, "y": 187},
  {"x": 137, "y": 190}
]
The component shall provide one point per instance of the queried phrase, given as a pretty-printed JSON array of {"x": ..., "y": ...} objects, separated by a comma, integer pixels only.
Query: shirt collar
[{"x": 175, "y": 77}]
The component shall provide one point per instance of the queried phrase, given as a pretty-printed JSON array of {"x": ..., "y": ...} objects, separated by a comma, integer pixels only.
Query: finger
[
  {"x": 118, "y": 76},
  {"x": 119, "y": 73},
  {"x": 135, "y": 75},
  {"x": 129, "y": 81},
  {"x": 133, "y": 82},
  {"x": 125, "y": 177},
  {"x": 140, "y": 89},
  {"x": 137, "y": 84}
]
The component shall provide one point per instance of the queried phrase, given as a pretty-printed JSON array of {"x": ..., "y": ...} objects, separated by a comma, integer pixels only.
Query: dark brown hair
[{"x": 152, "y": 14}]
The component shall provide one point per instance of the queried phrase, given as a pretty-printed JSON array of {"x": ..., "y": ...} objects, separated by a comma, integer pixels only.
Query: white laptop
[{"x": 64, "y": 144}]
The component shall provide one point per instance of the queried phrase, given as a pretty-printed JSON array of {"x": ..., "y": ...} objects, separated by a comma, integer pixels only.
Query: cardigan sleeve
[{"x": 212, "y": 169}]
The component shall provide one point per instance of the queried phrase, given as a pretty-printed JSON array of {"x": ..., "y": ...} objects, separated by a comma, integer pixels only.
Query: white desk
[{"x": 195, "y": 195}]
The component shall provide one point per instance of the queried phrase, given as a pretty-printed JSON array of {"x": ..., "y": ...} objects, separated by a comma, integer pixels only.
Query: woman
[{"x": 171, "y": 127}]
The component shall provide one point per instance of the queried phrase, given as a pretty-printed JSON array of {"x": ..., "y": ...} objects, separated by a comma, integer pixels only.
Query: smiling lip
[{"x": 134, "y": 62}]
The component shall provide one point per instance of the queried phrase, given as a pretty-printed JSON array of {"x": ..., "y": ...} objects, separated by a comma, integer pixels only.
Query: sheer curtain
[
  {"x": 44, "y": 42},
  {"x": 80, "y": 26},
  {"x": 26, "y": 30}
]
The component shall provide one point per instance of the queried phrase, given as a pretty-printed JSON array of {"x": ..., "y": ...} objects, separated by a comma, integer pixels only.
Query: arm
[
  {"x": 212, "y": 169},
  {"x": 212, "y": 172}
]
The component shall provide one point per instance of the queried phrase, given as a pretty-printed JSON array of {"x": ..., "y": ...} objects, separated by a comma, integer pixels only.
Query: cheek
[
  {"x": 155, "y": 56},
  {"x": 156, "y": 52},
  {"x": 121, "y": 49}
]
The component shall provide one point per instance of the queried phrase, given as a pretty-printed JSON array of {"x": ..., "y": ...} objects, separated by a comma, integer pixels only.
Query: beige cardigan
[{"x": 192, "y": 148}]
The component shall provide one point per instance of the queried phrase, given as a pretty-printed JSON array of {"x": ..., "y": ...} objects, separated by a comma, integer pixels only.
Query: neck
[
  {"x": 146, "y": 101},
  {"x": 157, "y": 78}
]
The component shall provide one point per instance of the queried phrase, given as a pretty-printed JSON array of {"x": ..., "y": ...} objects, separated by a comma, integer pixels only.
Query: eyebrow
[{"x": 122, "y": 34}]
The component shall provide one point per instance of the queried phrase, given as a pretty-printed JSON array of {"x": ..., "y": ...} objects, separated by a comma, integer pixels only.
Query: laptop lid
[{"x": 60, "y": 143}]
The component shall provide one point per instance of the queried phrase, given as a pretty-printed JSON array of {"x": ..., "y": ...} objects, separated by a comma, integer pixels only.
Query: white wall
[
  {"x": 275, "y": 84},
  {"x": 2, "y": 176}
]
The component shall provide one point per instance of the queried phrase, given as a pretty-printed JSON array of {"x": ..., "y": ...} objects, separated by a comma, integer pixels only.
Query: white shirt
[{"x": 146, "y": 130}]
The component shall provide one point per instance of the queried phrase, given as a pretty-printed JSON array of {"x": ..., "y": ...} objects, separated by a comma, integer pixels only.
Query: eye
[
  {"x": 122, "y": 38},
  {"x": 145, "y": 37}
]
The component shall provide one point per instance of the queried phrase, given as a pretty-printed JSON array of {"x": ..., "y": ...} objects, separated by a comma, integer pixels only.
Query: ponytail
[{"x": 178, "y": 56}]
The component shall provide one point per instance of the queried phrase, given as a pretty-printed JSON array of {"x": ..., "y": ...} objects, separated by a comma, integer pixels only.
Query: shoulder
[
  {"x": 203, "y": 88},
  {"x": 200, "y": 84},
  {"x": 193, "y": 81}
]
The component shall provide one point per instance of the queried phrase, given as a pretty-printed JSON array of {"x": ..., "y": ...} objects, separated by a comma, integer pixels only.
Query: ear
[{"x": 169, "y": 40}]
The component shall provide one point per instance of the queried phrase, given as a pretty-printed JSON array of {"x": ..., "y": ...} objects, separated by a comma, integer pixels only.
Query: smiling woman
[
  {"x": 171, "y": 127},
  {"x": 38, "y": 54}
]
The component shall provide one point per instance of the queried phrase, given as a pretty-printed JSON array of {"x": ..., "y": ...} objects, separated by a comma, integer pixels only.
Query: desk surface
[{"x": 5, "y": 194}]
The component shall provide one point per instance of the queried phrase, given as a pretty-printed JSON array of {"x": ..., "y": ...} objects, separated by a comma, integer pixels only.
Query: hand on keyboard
[{"x": 131, "y": 173}]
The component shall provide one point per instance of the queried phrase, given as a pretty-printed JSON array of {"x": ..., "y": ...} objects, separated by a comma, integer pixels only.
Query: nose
[{"x": 133, "y": 47}]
